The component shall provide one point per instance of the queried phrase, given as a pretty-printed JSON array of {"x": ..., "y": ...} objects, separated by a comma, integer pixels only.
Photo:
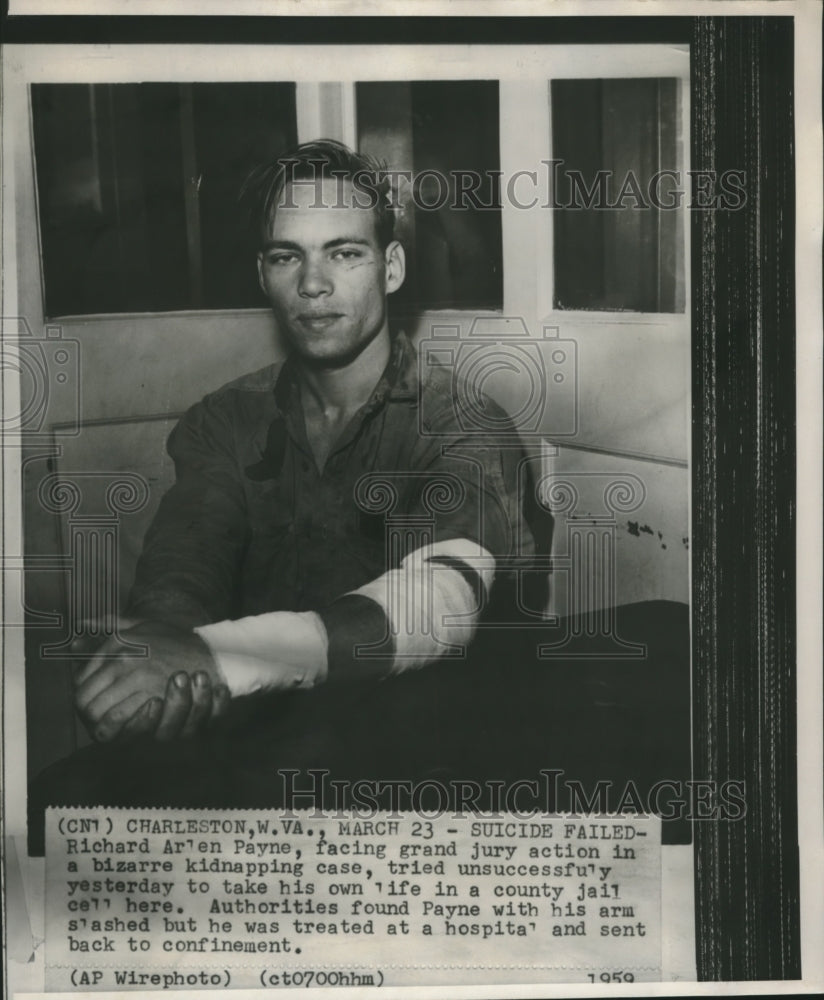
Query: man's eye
[
  {"x": 346, "y": 254},
  {"x": 281, "y": 258}
]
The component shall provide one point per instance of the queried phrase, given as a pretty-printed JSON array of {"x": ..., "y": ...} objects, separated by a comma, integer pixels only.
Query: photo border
[{"x": 744, "y": 454}]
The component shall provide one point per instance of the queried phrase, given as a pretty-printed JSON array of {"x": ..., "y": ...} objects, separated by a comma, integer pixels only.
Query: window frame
[{"x": 530, "y": 99}]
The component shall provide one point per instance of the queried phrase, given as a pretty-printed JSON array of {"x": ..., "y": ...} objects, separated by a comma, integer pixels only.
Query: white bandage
[
  {"x": 271, "y": 652},
  {"x": 430, "y": 607}
]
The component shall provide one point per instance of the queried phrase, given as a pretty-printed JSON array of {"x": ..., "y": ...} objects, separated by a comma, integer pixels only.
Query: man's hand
[{"x": 172, "y": 692}]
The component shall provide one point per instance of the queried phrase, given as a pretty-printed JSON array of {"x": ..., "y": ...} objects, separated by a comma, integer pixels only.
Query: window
[
  {"x": 446, "y": 133},
  {"x": 137, "y": 185},
  {"x": 618, "y": 230}
]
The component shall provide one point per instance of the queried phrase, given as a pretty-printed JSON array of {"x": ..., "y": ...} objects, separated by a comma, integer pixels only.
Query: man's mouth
[{"x": 318, "y": 320}]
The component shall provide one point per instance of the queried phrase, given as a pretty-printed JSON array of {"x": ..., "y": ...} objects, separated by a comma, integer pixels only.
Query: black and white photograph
[{"x": 412, "y": 566}]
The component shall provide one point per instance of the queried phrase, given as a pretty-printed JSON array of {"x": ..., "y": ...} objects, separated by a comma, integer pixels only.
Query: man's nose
[{"x": 314, "y": 279}]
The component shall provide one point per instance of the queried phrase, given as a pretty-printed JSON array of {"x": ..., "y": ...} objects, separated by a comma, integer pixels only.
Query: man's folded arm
[{"x": 426, "y": 608}]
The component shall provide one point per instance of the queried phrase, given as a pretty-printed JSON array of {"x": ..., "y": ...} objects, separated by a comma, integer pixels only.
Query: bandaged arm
[{"x": 410, "y": 616}]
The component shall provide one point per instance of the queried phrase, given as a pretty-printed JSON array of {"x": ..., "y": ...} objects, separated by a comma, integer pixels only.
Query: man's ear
[{"x": 395, "y": 266}]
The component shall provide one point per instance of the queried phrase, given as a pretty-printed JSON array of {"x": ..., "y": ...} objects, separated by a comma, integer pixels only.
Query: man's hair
[{"x": 264, "y": 190}]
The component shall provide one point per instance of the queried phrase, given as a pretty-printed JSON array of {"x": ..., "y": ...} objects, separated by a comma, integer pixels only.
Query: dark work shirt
[{"x": 252, "y": 525}]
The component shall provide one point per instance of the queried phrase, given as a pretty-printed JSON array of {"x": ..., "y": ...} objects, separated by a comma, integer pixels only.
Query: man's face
[{"x": 325, "y": 274}]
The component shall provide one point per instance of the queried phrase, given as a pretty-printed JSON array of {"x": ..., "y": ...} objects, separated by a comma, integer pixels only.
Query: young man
[
  {"x": 271, "y": 564},
  {"x": 331, "y": 524}
]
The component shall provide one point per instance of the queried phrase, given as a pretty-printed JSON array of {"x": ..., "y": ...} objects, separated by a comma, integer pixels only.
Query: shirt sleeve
[
  {"x": 473, "y": 486},
  {"x": 488, "y": 497},
  {"x": 188, "y": 570}
]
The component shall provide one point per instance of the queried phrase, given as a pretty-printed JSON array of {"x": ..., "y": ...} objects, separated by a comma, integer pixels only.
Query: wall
[{"x": 633, "y": 414}]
